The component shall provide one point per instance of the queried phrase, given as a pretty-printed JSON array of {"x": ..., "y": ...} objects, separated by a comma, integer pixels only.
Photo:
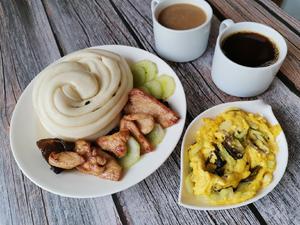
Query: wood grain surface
[{"x": 34, "y": 33}]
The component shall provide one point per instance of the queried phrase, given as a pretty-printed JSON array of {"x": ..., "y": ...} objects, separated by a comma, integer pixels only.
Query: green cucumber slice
[
  {"x": 149, "y": 67},
  {"x": 168, "y": 85},
  {"x": 155, "y": 88},
  {"x": 156, "y": 135},
  {"x": 132, "y": 155},
  {"x": 139, "y": 75},
  {"x": 145, "y": 89}
]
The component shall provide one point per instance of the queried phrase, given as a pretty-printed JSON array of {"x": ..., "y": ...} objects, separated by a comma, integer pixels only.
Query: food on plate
[
  {"x": 144, "y": 71},
  {"x": 145, "y": 77},
  {"x": 65, "y": 160},
  {"x": 233, "y": 158},
  {"x": 82, "y": 155},
  {"x": 156, "y": 135},
  {"x": 115, "y": 143},
  {"x": 98, "y": 162},
  {"x": 145, "y": 122},
  {"x": 167, "y": 84},
  {"x": 140, "y": 102},
  {"x": 140, "y": 132},
  {"x": 133, "y": 153},
  {"x": 56, "y": 145},
  {"x": 83, "y": 94},
  {"x": 135, "y": 131}
]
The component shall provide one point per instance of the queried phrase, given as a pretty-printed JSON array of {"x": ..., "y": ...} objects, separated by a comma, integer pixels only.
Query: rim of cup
[
  {"x": 282, "y": 50},
  {"x": 208, "y": 12}
]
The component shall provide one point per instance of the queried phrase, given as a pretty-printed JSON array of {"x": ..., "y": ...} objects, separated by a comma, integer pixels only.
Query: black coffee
[{"x": 250, "y": 49}]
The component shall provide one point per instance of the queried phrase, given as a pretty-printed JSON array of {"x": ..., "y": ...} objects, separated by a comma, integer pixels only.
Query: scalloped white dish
[
  {"x": 25, "y": 131},
  {"x": 188, "y": 200}
]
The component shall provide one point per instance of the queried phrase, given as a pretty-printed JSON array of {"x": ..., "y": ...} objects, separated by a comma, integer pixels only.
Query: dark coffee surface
[
  {"x": 181, "y": 16},
  {"x": 250, "y": 49}
]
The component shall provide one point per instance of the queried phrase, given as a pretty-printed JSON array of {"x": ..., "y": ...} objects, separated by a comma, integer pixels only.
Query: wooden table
[{"x": 34, "y": 33}]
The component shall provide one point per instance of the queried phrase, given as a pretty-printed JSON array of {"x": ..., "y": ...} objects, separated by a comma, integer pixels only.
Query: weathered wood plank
[
  {"x": 20, "y": 199},
  {"x": 248, "y": 10},
  {"x": 70, "y": 211},
  {"x": 155, "y": 200},
  {"x": 80, "y": 24},
  {"x": 280, "y": 206},
  {"x": 280, "y": 14},
  {"x": 26, "y": 46}
]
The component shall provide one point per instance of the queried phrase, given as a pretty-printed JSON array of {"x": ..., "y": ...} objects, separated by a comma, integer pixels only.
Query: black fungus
[
  {"x": 49, "y": 145},
  {"x": 235, "y": 153},
  {"x": 165, "y": 103},
  {"x": 254, "y": 171},
  {"x": 56, "y": 169},
  {"x": 217, "y": 167}
]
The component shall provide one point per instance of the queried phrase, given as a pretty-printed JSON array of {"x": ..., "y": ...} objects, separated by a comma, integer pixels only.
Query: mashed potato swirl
[{"x": 82, "y": 95}]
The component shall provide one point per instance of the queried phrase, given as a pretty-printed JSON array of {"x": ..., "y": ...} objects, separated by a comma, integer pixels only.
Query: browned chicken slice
[
  {"x": 145, "y": 122},
  {"x": 115, "y": 143},
  {"x": 130, "y": 125},
  {"x": 82, "y": 147},
  {"x": 141, "y": 102},
  {"x": 113, "y": 171},
  {"x": 56, "y": 145},
  {"x": 97, "y": 162},
  {"x": 65, "y": 160}
]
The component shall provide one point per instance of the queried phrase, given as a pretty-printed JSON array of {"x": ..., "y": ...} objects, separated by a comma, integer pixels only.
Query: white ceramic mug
[
  {"x": 180, "y": 45},
  {"x": 243, "y": 81}
]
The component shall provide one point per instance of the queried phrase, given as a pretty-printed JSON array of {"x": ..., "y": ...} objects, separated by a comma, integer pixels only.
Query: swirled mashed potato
[
  {"x": 233, "y": 158},
  {"x": 83, "y": 94}
]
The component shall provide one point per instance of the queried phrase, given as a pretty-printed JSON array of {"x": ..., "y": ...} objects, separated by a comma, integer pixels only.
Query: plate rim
[{"x": 126, "y": 186}]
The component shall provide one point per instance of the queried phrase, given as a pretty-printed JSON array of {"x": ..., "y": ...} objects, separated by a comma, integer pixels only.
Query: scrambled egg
[{"x": 233, "y": 158}]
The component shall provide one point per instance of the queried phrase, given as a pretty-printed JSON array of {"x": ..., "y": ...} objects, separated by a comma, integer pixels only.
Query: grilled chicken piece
[
  {"x": 130, "y": 125},
  {"x": 115, "y": 143},
  {"x": 140, "y": 102},
  {"x": 82, "y": 147},
  {"x": 94, "y": 163},
  {"x": 65, "y": 160},
  {"x": 145, "y": 122},
  {"x": 97, "y": 162},
  {"x": 56, "y": 145},
  {"x": 49, "y": 145},
  {"x": 113, "y": 171}
]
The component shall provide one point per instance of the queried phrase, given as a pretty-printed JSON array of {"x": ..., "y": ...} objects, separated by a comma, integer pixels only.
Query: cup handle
[
  {"x": 225, "y": 24},
  {"x": 154, "y": 3}
]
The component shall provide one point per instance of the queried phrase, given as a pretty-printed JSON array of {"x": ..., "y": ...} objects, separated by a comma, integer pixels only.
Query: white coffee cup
[
  {"x": 243, "y": 81},
  {"x": 180, "y": 45}
]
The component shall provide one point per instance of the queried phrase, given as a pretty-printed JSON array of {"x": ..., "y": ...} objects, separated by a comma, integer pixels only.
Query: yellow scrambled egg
[{"x": 233, "y": 158}]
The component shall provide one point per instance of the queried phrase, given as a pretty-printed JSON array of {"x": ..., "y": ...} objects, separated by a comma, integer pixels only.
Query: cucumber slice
[
  {"x": 168, "y": 85},
  {"x": 155, "y": 88},
  {"x": 149, "y": 67},
  {"x": 139, "y": 75},
  {"x": 156, "y": 135},
  {"x": 145, "y": 89},
  {"x": 132, "y": 155}
]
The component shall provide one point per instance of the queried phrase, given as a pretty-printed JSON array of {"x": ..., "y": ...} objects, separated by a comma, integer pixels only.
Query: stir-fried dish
[
  {"x": 233, "y": 158},
  {"x": 102, "y": 129}
]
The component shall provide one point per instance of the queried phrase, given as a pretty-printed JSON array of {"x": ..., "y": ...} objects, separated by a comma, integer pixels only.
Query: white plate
[
  {"x": 25, "y": 132},
  {"x": 190, "y": 201}
]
